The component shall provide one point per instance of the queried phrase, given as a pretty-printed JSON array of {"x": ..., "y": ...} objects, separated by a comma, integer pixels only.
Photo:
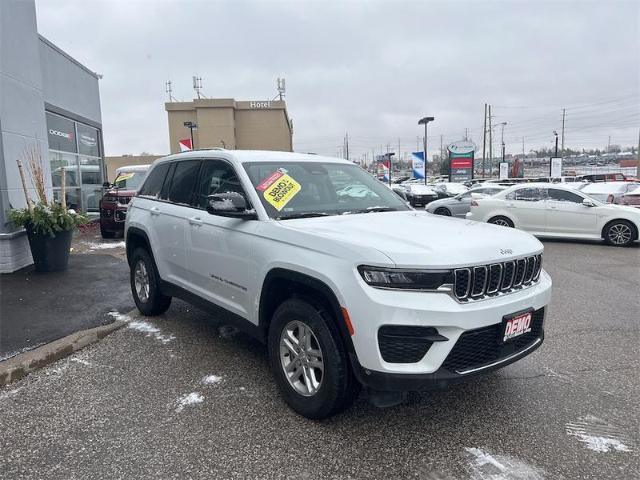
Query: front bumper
[
  {"x": 449, "y": 322},
  {"x": 112, "y": 217}
]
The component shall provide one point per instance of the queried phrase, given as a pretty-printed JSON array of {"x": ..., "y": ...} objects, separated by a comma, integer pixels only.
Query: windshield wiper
[
  {"x": 303, "y": 215},
  {"x": 375, "y": 209}
]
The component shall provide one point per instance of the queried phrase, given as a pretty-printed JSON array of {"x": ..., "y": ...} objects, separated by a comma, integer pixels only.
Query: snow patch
[
  {"x": 150, "y": 331},
  {"x": 188, "y": 400},
  {"x": 598, "y": 435},
  {"x": 9, "y": 355},
  {"x": 119, "y": 316},
  {"x": 81, "y": 361},
  {"x": 10, "y": 393},
  {"x": 211, "y": 379},
  {"x": 104, "y": 245},
  {"x": 485, "y": 466}
]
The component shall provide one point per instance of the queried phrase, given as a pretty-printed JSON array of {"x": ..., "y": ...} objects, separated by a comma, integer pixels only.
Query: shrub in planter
[{"x": 49, "y": 229}]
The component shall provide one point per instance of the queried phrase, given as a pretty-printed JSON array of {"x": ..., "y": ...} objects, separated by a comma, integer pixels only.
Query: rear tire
[
  {"x": 442, "y": 211},
  {"x": 145, "y": 285},
  {"x": 620, "y": 233},
  {"x": 314, "y": 377},
  {"x": 502, "y": 221}
]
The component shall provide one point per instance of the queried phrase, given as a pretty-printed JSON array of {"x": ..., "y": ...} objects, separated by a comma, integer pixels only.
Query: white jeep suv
[{"x": 345, "y": 289}]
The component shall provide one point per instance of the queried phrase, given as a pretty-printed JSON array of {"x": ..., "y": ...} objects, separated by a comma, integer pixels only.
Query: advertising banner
[
  {"x": 417, "y": 161},
  {"x": 87, "y": 140},
  {"x": 504, "y": 170},
  {"x": 556, "y": 168},
  {"x": 461, "y": 156},
  {"x": 61, "y": 134}
]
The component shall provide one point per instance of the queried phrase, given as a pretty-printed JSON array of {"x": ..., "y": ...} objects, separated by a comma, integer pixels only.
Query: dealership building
[
  {"x": 231, "y": 124},
  {"x": 49, "y": 102}
]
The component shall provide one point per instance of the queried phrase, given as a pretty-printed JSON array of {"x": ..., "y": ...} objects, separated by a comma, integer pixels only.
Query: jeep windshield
[{"x": 312, "y": 189}]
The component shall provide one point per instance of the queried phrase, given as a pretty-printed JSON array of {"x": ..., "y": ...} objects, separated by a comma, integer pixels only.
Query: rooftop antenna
[
  {"x": 197, "y": 86},
  {"x": 281, "y": 89},
  {"x": 168, "y": 89}
]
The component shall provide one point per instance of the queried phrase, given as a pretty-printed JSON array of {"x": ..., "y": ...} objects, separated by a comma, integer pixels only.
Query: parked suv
[
  {"x": 115, "y": 201},
  {"x": 346, "y": 290}
]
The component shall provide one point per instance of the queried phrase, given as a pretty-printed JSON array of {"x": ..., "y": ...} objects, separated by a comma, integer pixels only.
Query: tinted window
[
  {"x": 217, "y": 177},
  {"x": 184, "y": 181},
  {"x": 528, "y": 194},
  {"x": 153, "y": 183},
  {"x": 564, "y": 196}
]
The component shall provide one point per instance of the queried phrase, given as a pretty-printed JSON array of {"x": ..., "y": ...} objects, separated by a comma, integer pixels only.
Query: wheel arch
[
  {"x": 503, "y": 215},
  {"x": 136, "y": 238},
  {"x": 281, "y": 284}
]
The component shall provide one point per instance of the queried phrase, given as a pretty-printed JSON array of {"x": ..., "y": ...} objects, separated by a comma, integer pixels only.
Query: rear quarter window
[{"x": 155, "y": 180}]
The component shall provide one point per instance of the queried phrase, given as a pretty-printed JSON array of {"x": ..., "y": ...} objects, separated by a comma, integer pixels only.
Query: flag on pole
[{"x": 185, "y": 144}]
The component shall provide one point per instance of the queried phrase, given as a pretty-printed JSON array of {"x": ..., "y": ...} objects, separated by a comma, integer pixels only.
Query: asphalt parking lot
[{"x": 180, "y": 396}]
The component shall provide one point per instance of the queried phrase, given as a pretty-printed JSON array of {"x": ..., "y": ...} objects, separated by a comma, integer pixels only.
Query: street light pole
[
  {"x": 424, "y": 121},
  {"x": 502, "y": 139},
  {"x": 191, "y": 126},
  {"x": 556, "y": 134}
]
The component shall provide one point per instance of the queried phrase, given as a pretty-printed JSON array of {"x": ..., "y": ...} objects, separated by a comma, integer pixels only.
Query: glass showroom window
[{"x": 76, "y": 147}]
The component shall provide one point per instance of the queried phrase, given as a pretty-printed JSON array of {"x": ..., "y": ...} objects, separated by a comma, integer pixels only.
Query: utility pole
[
  {"x": 399, "y": 160},
  {"x": 441, "y": 155},
  {"x": 562, "y": 147},
  {"x": 556, "y": 134},
  {"x": 484, "y": 138},
  {"x": 346, "y": 137},
  {"x": 609, "y": 145},
  {"x": 466, "y": 134},
  {"x": 490, "y": 143}
]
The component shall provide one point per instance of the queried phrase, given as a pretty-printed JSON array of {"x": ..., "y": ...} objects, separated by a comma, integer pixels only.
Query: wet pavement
[{"x": 181, "y": 396}]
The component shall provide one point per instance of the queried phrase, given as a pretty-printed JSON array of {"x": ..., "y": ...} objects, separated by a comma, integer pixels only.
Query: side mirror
[
  {"x": 106, "y": 185},
  {"x": 229, "y": 204},
  {"x": 588, "y": 203}
]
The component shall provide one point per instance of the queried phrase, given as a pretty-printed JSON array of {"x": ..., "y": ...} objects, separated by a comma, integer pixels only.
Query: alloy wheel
[
  {"x": 620, "y": 233},
  {"x": 301, "y": 358},
  {"x": 502, "y": 222},
  {"x": 141, "y": 281}
]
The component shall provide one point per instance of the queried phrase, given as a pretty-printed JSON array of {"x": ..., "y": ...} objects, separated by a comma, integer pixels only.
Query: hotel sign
[{"x": 266, "y": 104}]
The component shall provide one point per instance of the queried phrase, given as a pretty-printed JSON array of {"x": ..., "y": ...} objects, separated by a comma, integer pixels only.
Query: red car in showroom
[{"x": 115, "y": 201}]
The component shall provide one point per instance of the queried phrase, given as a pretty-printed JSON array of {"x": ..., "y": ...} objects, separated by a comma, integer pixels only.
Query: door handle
[
  {"x": 155, "y": 211},
  {"x": 195, "y": 221}
]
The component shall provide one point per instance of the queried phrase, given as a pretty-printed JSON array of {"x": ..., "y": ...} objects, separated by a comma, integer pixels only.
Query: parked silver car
[{"x": 459, "y": 205}]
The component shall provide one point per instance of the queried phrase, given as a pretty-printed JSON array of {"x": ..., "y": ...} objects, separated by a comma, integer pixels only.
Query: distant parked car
[
  {"x": 114, "y": 203},
  {"x": 631, "y": 198},
  {"x": 449, "y": 189},
  {"x": 608, "y": 192},
  {"x": 603, "y": 177},
  {"x": 459, "y": 205},
  {"x": 557, "y": 211},
  {"x": 419, "y": 194}
]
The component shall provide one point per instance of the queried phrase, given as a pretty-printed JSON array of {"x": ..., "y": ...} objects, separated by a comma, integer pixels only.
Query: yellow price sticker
[
  {"x": 124, "y": 176},
  {"x": 281, "y": 191}
]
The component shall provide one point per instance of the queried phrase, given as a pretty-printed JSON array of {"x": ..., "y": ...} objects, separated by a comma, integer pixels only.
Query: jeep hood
[{"x": 420, "y": 239}]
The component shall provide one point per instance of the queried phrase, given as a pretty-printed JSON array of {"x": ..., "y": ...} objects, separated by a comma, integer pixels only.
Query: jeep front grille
[{"x": 478, "y": 282}]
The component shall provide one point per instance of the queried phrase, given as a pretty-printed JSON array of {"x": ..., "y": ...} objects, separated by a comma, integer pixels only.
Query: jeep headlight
[{"x": 405, "y": 279}]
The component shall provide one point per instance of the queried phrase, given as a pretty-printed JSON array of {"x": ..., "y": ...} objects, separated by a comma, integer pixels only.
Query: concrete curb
[{"x": 19, "y": 366}]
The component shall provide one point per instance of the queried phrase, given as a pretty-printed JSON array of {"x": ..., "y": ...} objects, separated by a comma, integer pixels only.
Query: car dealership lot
[{"x": 180, "y": 395}]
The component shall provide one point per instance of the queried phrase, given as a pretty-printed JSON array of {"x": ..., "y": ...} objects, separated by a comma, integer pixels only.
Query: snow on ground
[
  {"x": 598, "y": 435},
  {"x": 119, "y": 316},
  {"x": 81, "y": 361},
  {"x": 150, "y": 330},
  {"x": 485, "y": 466},
  {"x": 187, "y": 400},
  {"x": 104, "y": 245},
  {"x": 211, "y": 379}
]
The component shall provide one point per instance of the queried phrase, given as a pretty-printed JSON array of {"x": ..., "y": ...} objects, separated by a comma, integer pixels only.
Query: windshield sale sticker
[
  {"x": 278, "y": 189},
  {"x": 124, "y": 176}
]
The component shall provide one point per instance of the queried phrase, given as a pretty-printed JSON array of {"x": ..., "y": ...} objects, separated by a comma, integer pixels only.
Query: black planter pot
[{"x": 50, "y": 254}]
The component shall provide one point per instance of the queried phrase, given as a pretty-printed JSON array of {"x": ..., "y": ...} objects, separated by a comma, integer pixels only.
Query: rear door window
[
  {"x": 184, "y": 181},
  {"x": 564, "y": 196}
]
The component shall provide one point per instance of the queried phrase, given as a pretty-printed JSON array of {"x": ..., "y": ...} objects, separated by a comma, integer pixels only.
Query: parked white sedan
[{"x": 556, "y": 211}]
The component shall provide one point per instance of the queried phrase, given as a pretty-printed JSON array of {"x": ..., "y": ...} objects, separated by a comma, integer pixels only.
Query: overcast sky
[{"x": 371, "y": 69}]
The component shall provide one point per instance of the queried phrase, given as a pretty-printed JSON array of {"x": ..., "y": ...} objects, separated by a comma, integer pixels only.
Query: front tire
[
  {"x": 501, "y": 221},
  {"x": 442, "y": 211},
  {"x": 106, "y": 233},
  {"x": 619, "y": 233},
  {"x": 308, "y": 360},
  {"x": 145, "y": 285}
]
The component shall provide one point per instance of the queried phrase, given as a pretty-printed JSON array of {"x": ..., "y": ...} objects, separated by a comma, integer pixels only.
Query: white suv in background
[{"x": 345, "y": 289}]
